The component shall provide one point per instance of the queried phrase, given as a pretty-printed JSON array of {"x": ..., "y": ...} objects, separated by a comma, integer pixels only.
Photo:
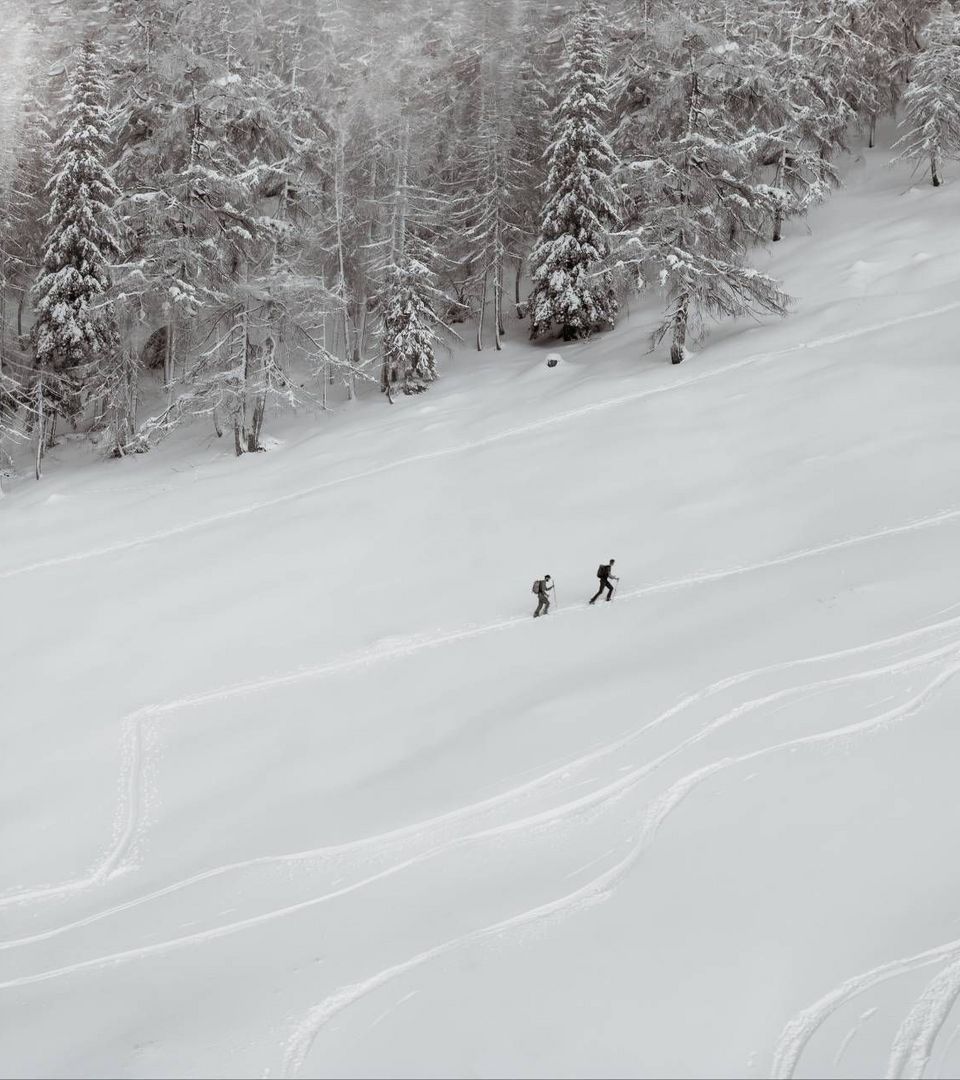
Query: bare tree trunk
[
  {"x": 778, "y": 211},
  {"x": 872, "y": 140},
  {"x": 360, "y": 344},
  {"x": 253, "y": 439},
  {"x": 168, "y": 359},
  {"x": 480, "y": 314},
  {"x": 240, "y": 404},
  {"x": 935, "y": 170},
  {"x": 498, "y": 330},
  {"x": 678, "y": 346},
  {"x": 3, "y": 317},
  {"x": 41, "y": 425},
  {"x": 264, "y": 355},
  {"x": 20, "y": 303},
  {"x": 516, "y": 287},
  {"x": 341, "y": 265}
]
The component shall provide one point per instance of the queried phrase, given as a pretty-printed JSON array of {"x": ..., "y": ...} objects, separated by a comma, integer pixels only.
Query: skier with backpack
[
  {"x": 542, "y": 589},
  {"x": 606, "y": 575}
]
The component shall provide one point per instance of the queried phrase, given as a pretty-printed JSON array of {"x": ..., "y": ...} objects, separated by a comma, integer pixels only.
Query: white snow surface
[{"x": 292, "y": 784}]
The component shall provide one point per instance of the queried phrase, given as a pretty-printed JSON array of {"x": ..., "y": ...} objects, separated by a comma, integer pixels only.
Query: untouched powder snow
[{"x": 293, "y": 785}]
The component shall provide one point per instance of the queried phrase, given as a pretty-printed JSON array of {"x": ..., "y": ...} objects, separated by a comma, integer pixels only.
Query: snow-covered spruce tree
[
  {"x": 572, "y": 286},
  {"x": 219, "y": 163},
  {"x": 75, "y": 332},
  {"x": 851, "y": 56},
  {"x": 408, "y": 320},
  {"x": 696, "y": 199},
  {"x": 774, "y": 91},
  {"x": 931, "y": 119},
  {"x": 408, "y": 334},
  {"x": 813, "y": 123}
]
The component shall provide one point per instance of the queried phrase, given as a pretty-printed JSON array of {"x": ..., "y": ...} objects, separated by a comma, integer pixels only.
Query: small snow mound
[{"x": 554, "y": 359}]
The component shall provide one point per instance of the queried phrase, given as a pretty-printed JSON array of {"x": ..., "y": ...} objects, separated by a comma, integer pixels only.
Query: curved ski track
[
  {"x": 915, "y": 1039},
  {"x": 299, "y": 1044},
  {"x": 563, "y": 812},
  {"x": 129, "y": 810},
  {"x": 488, "y": 440},
  {"x": 595, "y": 890}
]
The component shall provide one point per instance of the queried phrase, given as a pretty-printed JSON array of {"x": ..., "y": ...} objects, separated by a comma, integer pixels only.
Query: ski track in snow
[
  {"x": 475, "y": 444},
  {"x": 128, "y": 814},
  {"x": 300, "y": 1042},
  {"x": 926, "y": 1021},
  {"x": 945, "y": 1053},
  {"x": 916, "y": 1037},
  {"x": 546, "y": 818},
  {"x": 851, "y": 1035},
  {"x": 914, "y": 1040},
  {"x": 304, "y": 1035},
  {"x": 132, "y": 740}
]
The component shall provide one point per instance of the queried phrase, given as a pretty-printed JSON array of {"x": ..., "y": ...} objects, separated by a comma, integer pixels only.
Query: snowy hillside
[{"x": 293, "y": 785}]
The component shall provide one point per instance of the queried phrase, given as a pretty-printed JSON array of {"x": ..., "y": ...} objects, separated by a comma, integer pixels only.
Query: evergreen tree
[
  {"x": 75, "y": 329},
  {"x": 408, "y": 299},
  {"x": 807, "y": 126},
  {"x": 408, "y": 336},
  {"x": 696, "y": 197},
  {"x": 932, "y": 102},
  {"x": 572, "y": 285}
]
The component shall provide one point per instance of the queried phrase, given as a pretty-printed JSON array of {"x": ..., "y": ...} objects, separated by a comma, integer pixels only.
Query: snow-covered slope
[{"x": 291, "y": 783}]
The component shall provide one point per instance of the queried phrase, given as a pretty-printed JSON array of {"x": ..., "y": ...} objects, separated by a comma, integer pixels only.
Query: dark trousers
[
  {"x": 543, "y": 607},
  {"x": 604, "y": 584}
]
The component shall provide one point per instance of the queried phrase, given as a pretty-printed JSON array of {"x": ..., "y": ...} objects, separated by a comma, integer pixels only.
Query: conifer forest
[{"x": 211, "y": 210}]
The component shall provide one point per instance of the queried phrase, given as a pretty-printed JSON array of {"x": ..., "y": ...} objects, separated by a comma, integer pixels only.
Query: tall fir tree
[
  {"x": 408, "y": 333},
  {"x": 409, "y": 296},
  {"x": 696, "y": 196},
  {"x": 573, "y": 287},
  {"x": 75, "y": 329},
  {"x": 931, "y": 119}
]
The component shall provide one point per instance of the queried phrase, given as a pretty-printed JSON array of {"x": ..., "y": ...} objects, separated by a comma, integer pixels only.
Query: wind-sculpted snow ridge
[
  {"x": 475, "y": 444},
  {"x": 128, "y": 815},
  {"x": 305, "y": 1033}
]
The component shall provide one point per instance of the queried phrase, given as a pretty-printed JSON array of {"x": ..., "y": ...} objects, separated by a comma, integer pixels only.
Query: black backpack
[{"x": 603, "y": 570}]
